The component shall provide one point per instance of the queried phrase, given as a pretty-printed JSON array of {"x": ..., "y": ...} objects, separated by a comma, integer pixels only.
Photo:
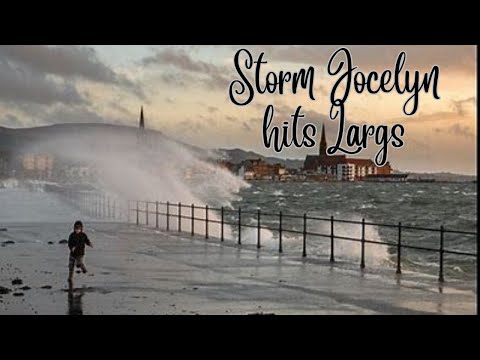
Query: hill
[{"x": 237, "y": 156}]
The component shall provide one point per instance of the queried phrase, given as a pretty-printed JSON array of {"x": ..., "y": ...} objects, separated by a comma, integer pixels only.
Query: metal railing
[
  {"x": 142, "y": 210},
  {"x": 103, "y": 206},
  {"x": 94, "y": 204}
]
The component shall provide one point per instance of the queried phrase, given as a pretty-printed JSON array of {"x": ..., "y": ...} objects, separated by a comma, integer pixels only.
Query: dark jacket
[{"x": 78, "y": 241}]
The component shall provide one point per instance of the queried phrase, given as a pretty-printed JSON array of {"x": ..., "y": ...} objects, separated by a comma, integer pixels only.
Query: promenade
[{"x": 134, "y": 270}]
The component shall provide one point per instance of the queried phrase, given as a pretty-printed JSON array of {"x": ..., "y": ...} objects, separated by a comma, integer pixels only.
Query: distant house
[
  {"x": 37, "y": 165},
  {"x": 340, "y": 167},
  {"x": 6, "y": 166},
  {"x": 258, "y": 169}
]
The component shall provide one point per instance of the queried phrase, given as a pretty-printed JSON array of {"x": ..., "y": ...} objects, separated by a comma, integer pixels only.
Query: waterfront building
[{"x": 340, "y": 167}]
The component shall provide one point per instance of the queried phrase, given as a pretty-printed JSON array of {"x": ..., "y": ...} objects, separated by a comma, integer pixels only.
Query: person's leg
[
  {"x": 71, "y": 267},
  {"x": 80, "y": 264}
]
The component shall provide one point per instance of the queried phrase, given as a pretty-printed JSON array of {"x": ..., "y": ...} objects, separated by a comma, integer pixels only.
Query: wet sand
[{"x": 144, "y": 271}]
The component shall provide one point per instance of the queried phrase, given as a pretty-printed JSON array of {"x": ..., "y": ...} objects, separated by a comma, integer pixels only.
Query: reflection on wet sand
[{"x": 75, "y": 306}]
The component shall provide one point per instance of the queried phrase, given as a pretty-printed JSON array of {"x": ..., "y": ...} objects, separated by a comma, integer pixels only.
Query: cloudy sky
[{"x": 184, "y": 90}]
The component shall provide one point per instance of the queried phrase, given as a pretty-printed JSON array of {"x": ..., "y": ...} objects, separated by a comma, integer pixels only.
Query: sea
[{"x": 424, "y": 205}]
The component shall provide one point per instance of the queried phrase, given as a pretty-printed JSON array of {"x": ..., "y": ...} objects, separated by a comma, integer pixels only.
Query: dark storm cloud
[
  {"x": 231, "y": 118},
  {"x": 175, "y": 78},
  {"x": 246, "y": 127},
  {"x": 284, "y": 112},
  {"x": 459, "y": 105},
  {"x": 121, "y": 109},
  {"x": 180, "y": 59},
  {"x": 65, "y": 61},
  {"x": 35, "y": 115},
  {"x": 211, "y": 76},
  {"x": 189, "y": 126},
  {"x": 458, "y": 130},
  {"x": 25, "y": 85},
  {"x": 26, "y": 73},
  {"x": 78, "y": 114},
  {"x": 459, "y": 58}
]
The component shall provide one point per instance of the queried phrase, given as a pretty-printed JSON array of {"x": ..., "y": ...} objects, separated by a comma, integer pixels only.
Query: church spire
[
  {"x": 323, "y": 143},
  {"x": 142, "y": 121}
]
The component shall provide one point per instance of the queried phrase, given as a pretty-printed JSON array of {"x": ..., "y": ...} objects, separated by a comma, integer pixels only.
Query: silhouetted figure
[{"x": 76, "y": 243}]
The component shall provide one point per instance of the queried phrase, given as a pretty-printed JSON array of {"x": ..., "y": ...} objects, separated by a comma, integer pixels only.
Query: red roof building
[{"x": 340, "y": 167}]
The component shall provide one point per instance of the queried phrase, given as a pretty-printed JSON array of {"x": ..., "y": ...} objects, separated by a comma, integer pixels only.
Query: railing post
[
  {"x": 440, "y": 275},
  {"x": 206, "y": 221},
  {"x": 193, "y": 219},
  {"x": 146, "y": 213},
  {"x": 332, "y": 237},
  {"x": 239, "y": 226},
  {"x": 179, "y": 217},
  {"x": 109, "y": 213},
  {"x": 114, "y": 209},
  {"x": 399, "y": 249},
  {"x": 128, "y": 210},
  {"x": 168, "y": 215},
  {"x": 156, "y": 214},
  {"x": 362, "y": 261},
  {"x": 221, "y": 225},
  {"x": 258, "y": 229},
  {"x": 104, "y": 212},
  {"x": 138, "y": 218},
  {"x": 280, "y": 247},
  {"x": 304, "y": 252}
]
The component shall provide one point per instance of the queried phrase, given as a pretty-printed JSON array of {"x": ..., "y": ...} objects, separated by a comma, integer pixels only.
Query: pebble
[
  {"x": 4, "y": 290},
  {"x": 17, "y": 281}
]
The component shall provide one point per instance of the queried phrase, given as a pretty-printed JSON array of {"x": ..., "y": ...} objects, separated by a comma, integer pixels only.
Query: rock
[
  {"x": 25, "y": 288},
  {"x": 63, "y": 241},
  {"x": 261, "y": 313},
  {"x": 50, "y": 243},
  {"x": 4, "y": 290},
  {"x": 8, "y": 242},
  {"x": 17, "y": 281},
  {"x": 46, "y": 287},
  {"x": 18, "y": 294},
  {"x": 3, "y": 229}
]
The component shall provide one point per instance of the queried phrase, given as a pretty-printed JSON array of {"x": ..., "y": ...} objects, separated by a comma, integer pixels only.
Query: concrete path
[{"x": 143, "y": 271}]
